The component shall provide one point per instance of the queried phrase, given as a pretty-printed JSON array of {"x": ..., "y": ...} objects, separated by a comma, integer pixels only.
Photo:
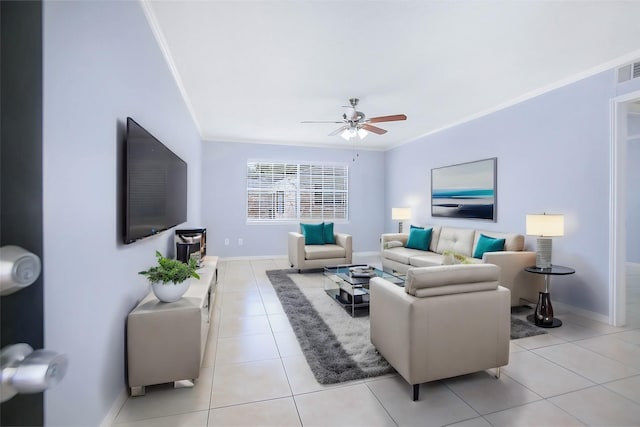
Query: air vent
[{"x": 629, "y": 71}]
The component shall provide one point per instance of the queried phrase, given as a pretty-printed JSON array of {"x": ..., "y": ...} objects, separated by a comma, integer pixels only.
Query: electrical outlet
[
  {"x": 240, "y": 241},
  {"x": 226, "y": 242}
]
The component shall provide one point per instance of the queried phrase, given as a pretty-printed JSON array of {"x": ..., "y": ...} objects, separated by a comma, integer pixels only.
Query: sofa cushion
[
  {"x": 401, "y": 255},
  {"x": 487, "y": 244},
  {"x": 456, "y": 239},
  {"x": 419, "y": 238},
  {"x": 484, "y": 276},
  {"x": 426, "y": 259},
  {"x": 327, "y": 234},
  {"x": 313, "y": 233},
  {"x": 512, "y": 241},
  {"x": 324, "y": 251}
]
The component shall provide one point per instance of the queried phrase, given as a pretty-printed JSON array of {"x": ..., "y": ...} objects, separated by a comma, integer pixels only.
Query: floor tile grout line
[{"x": 594, "y": 352}]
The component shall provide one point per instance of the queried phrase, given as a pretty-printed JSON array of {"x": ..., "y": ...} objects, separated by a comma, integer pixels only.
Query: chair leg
[
  {"x": 416, "y": 392},
  {"x": 497, "y": 374}
]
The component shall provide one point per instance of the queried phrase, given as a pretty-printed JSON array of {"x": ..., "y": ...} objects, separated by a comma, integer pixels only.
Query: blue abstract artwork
[{"x": 466, "y": 190}]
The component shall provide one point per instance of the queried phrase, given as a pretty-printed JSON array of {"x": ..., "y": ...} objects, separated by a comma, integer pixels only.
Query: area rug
[{"x": 337, "y": 347}]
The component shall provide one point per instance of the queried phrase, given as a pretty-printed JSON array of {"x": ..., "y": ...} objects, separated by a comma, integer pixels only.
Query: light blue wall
[
  {"x": 553, "y": 156},
  {"x": 101, "y": 64},
  {"x": 224, "y": 168}
]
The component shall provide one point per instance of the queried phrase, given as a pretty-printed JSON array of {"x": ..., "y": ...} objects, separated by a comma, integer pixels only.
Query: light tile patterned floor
[{"x": 254, "y": 373}]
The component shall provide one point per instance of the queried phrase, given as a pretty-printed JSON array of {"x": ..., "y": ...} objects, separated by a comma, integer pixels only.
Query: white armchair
[
  {"x": 447, "y": 321},
  {"x": 304, "y": 257}
]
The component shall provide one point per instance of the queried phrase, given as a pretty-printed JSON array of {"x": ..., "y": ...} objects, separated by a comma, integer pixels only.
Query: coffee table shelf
[{"x": 352, "y": 291}]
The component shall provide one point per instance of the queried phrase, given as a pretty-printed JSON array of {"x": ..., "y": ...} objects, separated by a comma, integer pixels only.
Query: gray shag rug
[{"x": 337, "y": 347}]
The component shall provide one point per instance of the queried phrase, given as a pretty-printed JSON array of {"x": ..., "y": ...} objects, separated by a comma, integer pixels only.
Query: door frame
[{"x": 617, "y": 208}]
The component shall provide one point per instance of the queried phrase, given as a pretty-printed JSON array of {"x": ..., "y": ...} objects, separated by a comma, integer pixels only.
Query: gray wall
[
  {"x": 224, "y": 168},
  {"x": 553, "y": 156},
  {"x": 101, "y": 64}
]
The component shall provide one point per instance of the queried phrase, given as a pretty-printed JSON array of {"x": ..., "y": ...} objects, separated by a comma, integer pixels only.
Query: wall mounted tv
[{"x": 155, "y": 194}]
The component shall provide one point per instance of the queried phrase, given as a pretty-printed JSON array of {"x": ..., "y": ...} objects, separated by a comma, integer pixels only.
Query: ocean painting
[{"x": 466, "y": 190}]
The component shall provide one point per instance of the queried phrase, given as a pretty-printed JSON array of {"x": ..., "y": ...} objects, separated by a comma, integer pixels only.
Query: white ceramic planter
[{"x": 170, "y": 292}]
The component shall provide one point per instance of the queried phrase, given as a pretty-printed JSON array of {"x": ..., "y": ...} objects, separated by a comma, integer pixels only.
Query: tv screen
[{"x": 155, "y": 185}]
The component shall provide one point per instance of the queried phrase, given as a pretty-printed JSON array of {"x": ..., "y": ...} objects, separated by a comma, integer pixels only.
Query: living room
[{"x": 102, "y": 62}]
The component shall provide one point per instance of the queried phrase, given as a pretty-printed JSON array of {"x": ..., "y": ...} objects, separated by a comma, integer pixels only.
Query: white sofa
[
  {"x": 512, "y": 261},
  {"x": 446, "y": 321},
  {"x": 305, "y": 257}
]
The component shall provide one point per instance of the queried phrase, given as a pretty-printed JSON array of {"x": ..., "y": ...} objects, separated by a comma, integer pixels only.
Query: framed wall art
[{"x": 465, "y": 190}]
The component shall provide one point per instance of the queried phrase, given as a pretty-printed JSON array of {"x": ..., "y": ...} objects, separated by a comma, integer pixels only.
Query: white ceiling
[{"x": 251, "y": 71}]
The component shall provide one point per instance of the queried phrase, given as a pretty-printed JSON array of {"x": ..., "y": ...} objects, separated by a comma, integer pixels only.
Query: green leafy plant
[
  {"x": 459, "y": 258},
  {"x": 171, "y": 270}
]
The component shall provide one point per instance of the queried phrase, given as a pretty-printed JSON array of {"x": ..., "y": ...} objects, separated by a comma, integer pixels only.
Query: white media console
[{"x": 166, "y": 341}]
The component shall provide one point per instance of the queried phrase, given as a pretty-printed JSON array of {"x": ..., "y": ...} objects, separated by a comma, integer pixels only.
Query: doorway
[{"x": 625, "y": 111}]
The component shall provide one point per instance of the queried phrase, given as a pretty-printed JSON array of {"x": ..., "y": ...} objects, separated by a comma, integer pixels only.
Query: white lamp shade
[
  {"x": 400, "y": 214},
  {"x": 545, "y": 225}
]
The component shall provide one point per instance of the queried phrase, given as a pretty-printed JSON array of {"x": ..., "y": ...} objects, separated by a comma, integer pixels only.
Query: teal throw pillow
[
  {"x": 488, "y": 244},
  {"x": 313, "y": 233},
  {"x": 328, "y": 233},
  {"x": 419, "y": 238},
  {"x": 415, "y": 226}
]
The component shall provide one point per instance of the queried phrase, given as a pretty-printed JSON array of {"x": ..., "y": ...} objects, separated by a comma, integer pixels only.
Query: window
[{"x": 296, "y": 191}]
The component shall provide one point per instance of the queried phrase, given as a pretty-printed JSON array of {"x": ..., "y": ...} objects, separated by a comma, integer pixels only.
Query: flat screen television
[{"x": 155, "y": 196}]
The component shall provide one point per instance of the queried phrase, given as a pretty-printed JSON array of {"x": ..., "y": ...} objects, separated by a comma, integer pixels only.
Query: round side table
[{"x": 543, "y": 315}]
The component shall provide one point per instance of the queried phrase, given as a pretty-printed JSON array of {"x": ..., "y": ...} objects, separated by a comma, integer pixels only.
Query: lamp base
[
  {"x": 543, "y": 253},
  {"x": 400, "y": 227}
]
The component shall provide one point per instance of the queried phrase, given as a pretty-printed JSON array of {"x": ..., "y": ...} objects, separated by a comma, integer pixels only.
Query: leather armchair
[
  {"x": 303, "y": 257},
  {"x": 447, "y": 321}
]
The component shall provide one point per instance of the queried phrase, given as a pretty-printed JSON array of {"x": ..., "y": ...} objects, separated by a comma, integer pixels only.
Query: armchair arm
[
  {"x": 390, "y": 322},
  {"x": 345, "y": 241},
  {"x": 296, "y": 249},
  {"x": 512, "y": 275}
]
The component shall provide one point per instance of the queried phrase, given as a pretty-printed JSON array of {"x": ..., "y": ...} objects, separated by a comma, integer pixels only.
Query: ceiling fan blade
[
  {"x": 322, "y": 121},
  {"x": 340, "y": 129},
  {"x": 373, "y": 129},
  {"x": 392, "y": 118}
]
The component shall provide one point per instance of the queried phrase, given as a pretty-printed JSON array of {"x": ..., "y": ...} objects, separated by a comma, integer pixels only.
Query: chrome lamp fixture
[
  {"x": 544, "y": 226},
  {"x": 354, "y": 132},
  {"x": 400, "y": 214}
]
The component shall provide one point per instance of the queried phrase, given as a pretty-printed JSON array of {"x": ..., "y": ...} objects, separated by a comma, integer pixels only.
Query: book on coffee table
[{"x": 362, "y": 272}]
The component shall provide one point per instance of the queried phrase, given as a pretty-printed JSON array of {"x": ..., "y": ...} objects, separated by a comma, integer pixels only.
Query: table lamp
[
  {"x": 544, "y": 226},
  {"x": 400, "y": 214}
]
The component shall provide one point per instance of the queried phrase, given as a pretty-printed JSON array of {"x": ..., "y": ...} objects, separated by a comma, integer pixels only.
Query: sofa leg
[
  {"x": 416, "y": 392},
  {"x": 497, "y": 374}
]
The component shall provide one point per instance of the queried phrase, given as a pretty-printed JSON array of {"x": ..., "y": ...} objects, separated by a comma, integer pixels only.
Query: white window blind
[{"x": 278, "y": 191}]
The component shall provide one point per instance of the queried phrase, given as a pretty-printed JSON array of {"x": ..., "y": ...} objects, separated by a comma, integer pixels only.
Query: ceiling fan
[{"x": 354, "y": 123}]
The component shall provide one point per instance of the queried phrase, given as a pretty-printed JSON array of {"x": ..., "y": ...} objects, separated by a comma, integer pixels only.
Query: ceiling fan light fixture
[
  {"x": 346, "y": 134},
  {"x": 362, "y": 133}
]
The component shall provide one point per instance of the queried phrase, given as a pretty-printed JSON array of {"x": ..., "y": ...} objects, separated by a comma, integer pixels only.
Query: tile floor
[{"x": 254, "y": 373}]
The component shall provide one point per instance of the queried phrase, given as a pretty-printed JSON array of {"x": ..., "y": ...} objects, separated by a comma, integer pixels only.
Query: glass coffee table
[{"x": 348, "y": 285}]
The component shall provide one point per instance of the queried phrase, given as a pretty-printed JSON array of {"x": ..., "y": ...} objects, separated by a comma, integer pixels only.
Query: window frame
[{"x": 318, "y": 200}]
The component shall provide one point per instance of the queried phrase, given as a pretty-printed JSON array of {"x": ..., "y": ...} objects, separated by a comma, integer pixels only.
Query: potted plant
[{"x": 169, "y": 278}]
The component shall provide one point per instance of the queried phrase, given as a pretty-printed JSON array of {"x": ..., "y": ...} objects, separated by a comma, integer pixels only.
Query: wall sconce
[
  {"x": 400, "y": 214},
  {"x": 544, "y": 226}
]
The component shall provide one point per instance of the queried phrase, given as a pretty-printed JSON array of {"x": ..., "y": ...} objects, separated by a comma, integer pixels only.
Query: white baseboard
[
  {"x": 366, "y": 254},
  {"x": 110, "y": 418},
  {"x": 602, "y": 318},
  {"x": 259, "y": 257},
  {"x": 255, "y": 257}
]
